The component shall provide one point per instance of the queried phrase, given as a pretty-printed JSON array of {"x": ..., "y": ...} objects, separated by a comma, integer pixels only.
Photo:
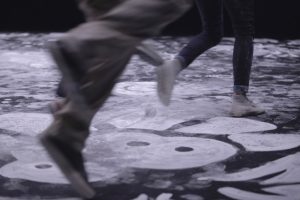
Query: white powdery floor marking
[
  {"x": 239, "y": 194},
  {"x": 181, "y": 89},
  {"x": 157, "y": 117},
  {"x": 289, "y": 165},
  {"x": 135, "y": 88},
  {"x": 47, "y": 172},
  {"x": 26, "y": 123},
  {"x": 30, "y": 124},
  {"x": 35, "y": 59},
  {"x": 137, "y": 150},
  {"x": 267, "y": 142},
  {"x": 39, "y": 171},
  {"x": 291, "y": 192},
  {"x": 149, "y": 151},
  {"x": 145, "y": 111},
  {"x": 228, "y": 125}
]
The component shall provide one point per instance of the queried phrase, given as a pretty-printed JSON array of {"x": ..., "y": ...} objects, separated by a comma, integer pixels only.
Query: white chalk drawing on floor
[
  {"x": 228, "y": 125},
  {"x": 135, "y": 88},
  {"x": 280, "y": 193},
  {"x": 288, "y": 166},
  {"x": 143, "y": 150},
  {"x": 211, "y": 69},
  {"x": 291, "y": 192},
  {"x": 151, "y": 115},
  {"x": 144, "y": 117},
  {"x": 267, "y": 142},
  {"x": 181, "y": 89},
  {"x": 7, "y": 143},
  {"x": 132, "y": 149},
  {"x": 149, "y": 151},
  {"x": 191, "y": 197},
  {"x": 33, "y": 163},
  {"x": 47, "y": 172},
  {"x": 164, "y": 196},
  {"x": 141, "y": 197},
  {"x": 27, "y": 123}
]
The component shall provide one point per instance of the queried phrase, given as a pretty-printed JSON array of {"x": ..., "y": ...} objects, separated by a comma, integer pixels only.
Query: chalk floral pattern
[{"x": 191, "y": 150}]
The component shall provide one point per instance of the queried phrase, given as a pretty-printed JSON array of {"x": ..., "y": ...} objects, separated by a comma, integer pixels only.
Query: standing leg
[
  {"x": 91, "y": 57},
  {"x": 211, "y": 12},
  {"x": 241, "y": 13}
]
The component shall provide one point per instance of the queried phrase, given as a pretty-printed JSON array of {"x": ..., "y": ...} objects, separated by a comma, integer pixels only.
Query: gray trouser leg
[
  {"x": 94, "y": 9},
  {"x": 103, "y": 47}
]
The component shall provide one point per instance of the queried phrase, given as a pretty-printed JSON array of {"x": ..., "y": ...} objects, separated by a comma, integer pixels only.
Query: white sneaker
[
  {"x": 166, "y": 76},
  {"x": 242, "y": 106}
]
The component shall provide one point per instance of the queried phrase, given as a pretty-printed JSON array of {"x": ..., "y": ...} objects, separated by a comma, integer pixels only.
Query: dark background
[{"x": 278, "y": 19}]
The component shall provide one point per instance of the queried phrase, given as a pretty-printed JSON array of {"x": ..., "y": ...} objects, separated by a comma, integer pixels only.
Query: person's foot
[
  {"x": 70, "y": 161},
  {"x": 166, "y": 76},
  {"x": 242, "y": 106}
]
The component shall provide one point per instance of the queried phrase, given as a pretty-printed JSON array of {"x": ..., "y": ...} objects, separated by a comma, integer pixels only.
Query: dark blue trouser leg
[
  {"x": 211, "y": 12},
  {"x": 241, "y": 13}
]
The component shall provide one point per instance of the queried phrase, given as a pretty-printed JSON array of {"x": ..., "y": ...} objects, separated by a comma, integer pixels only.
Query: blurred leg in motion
[
  {"x": 144, "y": 50},
  {"x": 91, "y": 57},
  {"x": 211, "y": 12},
  {"x": 241, "y": 13}
]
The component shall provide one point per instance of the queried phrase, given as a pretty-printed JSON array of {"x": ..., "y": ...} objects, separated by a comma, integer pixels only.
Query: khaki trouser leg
[
  {"x": 103, "y": 47},
  {"x": 93, "y": 11}
]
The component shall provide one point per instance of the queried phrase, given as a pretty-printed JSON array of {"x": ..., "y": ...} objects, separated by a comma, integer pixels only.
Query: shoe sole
[
  {"x": 77, "y": 181},
  {"x": 71, "y": 86}
]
